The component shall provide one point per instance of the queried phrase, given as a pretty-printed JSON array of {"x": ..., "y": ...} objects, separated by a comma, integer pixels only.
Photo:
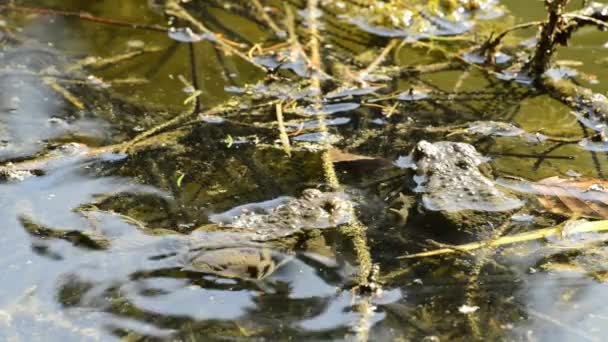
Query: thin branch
[
  {"x": 582, "y": 17},
  {"x": 83, "y": 16},
  {"x": 387, "y": 49},
  {"x": 585, "y": 227}
]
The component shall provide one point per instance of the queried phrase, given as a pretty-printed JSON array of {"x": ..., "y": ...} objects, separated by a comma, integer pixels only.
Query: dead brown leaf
[{"x": 581, "y": 197}]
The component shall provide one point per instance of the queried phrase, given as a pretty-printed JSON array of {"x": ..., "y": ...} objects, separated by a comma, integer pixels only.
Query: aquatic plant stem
[
  {"x": 472, "y": 288},
  {"x": 354, "y": 230}
]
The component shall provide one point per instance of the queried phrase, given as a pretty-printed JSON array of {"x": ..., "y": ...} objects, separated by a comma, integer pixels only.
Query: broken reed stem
[
  {"x": 315, "y": 83},
  {"x": 282, "y": 132},
  {"x": 102, "y": 62},
  {"x": 83, "y": 16},
  {"x": 584, "y": 227},
  {"x": 71, "y": 98},
  {"x": 354, "y": 230},
  {"x": 387, "y": 49}
]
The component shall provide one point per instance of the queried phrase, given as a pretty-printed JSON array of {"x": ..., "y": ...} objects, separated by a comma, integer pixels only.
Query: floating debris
[
  {"x": 524, "y": 218},
  {"x": 329, "y": 109},
  {"x": 318, "y": 137},
  {"x": 561, "y": 73},
  {"x": 405, "y": 162},
  {"x": 415, "y": 94},
  {"x": 186, "y": 35},
  {"x": 348, "y": 92},
  {"x": 474, "y": 57},
  {"x": 316, "y": 123},
  {"x": 466, "y": 309}
]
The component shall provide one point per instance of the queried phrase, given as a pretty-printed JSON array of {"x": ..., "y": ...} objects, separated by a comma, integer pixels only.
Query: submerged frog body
[
  {"x": 450, "y": 179},
  {"x": 249, "y": 263},
  {"x": 285, "y": 216},
  {"x": 230, "y": 247}
]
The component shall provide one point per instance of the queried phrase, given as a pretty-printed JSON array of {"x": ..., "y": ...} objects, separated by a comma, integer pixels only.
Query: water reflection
[{"x": 143, "y": 273}]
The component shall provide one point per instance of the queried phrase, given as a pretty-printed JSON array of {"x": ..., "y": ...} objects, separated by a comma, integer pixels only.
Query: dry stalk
[
  {"x": 387, "y": 49},
  {"x": 585, "y": 227},
  {"x": 71, "y": 98},
  {"x": 354, "y": 230}
]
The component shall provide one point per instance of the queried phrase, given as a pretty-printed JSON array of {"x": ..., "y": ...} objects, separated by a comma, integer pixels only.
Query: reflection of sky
[
  {"x": 49, "y": 200},
  {"x": 26, "y": 107},
  {"x": 564, "y": 307},
  {"x": 182, "y": 299}
]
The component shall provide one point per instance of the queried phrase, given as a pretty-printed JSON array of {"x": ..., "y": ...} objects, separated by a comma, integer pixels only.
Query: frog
[
  {"x": 248, "y": 242},
  {"x": 247, "y": 263},
  {"x": 285, "y": 215},
  {"x": 454, "y": 185},
  {"x": 251, "y": 241}
]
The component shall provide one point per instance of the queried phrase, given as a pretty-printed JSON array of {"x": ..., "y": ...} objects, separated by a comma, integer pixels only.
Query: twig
[
  {"x": 71, "y": 98},
  {"x": 387, "y": 49},
  {"x": 491, "y": 45},
  {"x": 100, "y": 62},
  {"x": 586, "y": 18},
  {"x": 584, "y": 227},
  {"x": 83, "y": 16}
]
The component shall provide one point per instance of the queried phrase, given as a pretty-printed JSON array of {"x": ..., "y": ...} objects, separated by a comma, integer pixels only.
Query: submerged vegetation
[{"x": 304, "y": 169}]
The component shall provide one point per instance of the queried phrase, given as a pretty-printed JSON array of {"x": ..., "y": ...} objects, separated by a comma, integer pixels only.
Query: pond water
[{"x": 148, "y": 193}]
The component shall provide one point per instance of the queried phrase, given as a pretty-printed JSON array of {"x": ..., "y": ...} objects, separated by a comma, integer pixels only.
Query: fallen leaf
[{"x": 581, "y": 197}]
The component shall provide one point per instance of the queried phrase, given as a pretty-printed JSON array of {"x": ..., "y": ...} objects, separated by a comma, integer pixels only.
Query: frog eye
[
  {"x": 462, "y": 164},
  {"x": 330, "y": 206}
]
